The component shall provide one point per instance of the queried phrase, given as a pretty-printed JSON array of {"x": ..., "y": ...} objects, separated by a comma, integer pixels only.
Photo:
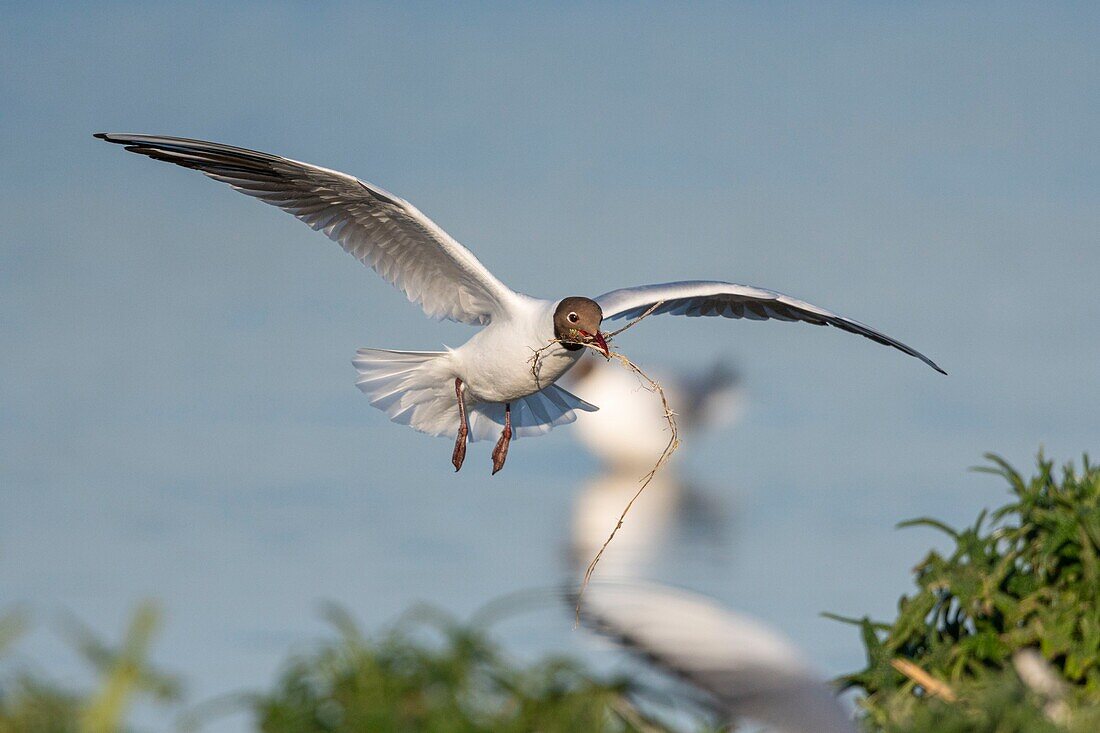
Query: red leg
[
  {"x": 500, "y": 453},
  {"x": 463, "y": 428}
]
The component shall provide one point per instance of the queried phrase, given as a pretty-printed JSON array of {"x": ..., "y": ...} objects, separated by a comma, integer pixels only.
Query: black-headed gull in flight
[{"x": 486, "y": 387}]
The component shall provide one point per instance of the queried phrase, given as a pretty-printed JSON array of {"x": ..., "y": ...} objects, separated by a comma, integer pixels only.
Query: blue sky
[{"x": 177, "y": 411}]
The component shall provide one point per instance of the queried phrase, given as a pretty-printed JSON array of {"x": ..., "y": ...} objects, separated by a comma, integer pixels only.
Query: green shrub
[
  {"x": 435, "y": 675},
  {"x": 30, "y": 704},
  {"x": 1027, "y": 579},
  {"x": 1001, "y": 635}
]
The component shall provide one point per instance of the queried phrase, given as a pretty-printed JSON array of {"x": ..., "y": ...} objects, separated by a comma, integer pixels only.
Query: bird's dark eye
[{"x": 573, "y": 317}]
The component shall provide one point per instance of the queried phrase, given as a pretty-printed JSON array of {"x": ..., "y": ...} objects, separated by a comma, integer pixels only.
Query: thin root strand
[{"x": 673, "y": 440}]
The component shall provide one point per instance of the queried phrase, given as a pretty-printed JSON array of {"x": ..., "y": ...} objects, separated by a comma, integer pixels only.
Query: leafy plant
[
  {"x": 29, "y": 704},
  {"x": 1001, "y": 635},
  {"x": 12, "y": 625},
  {"x": 431, "y": 674},
  {"x": 1026, "y": 577}
]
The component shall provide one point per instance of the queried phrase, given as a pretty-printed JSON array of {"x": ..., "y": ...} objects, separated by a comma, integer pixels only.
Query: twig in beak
[{"x": 598, "y": 340}]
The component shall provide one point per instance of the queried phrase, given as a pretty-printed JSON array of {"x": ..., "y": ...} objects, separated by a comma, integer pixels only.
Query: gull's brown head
[{"x": 577, "y": 322}]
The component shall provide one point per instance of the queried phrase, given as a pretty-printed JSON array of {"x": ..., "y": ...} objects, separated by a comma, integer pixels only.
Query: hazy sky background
[{"x": 178, "y": 416}]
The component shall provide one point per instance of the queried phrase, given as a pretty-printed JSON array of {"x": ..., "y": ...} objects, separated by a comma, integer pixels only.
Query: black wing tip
[
  {"x": 922, "y": 357},
  {"x": 118, "y": 138},
  {"x": 140, "y": 138},
  {"x": 929, "y": 362}
]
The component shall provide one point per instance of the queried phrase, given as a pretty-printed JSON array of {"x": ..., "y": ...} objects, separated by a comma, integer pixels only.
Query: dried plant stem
[
  {"x": 635, "y": 321},
  {"x": 670, "y": 448},
  {"x": 930, "y": 684},
  {"x": 673, "y": 441},
  {"x": 627, "y": 712}
]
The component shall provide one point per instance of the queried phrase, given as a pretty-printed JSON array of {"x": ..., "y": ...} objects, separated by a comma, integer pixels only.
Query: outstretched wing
[
  {"x": 712, "y": 298},
  {"x": 381, "y": 230},
  {"x": 746, "y": 669}
]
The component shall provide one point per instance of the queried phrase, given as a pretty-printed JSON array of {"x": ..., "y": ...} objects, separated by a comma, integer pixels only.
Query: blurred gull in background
[
  {"x": 627, "y": 434},
  {"x": 742, "y": 668},
  {"x": 736, "y": 666},
  {"x": 629, "y": 430}
]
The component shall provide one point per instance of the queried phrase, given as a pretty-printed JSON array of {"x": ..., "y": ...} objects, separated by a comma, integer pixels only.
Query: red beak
[{"x": 598, "y": 339}]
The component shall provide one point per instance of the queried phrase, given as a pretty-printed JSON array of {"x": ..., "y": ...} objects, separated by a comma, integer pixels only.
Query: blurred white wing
[
  {"x": 712, "y": 298},
  {"x": 630, "y": 430},
  {"x": 381, "y": 230},
  {"x": 746, "y": 668},
  {"x": 711, "y": 399}
]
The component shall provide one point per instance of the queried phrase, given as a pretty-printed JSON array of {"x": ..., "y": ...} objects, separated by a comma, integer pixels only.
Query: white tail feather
[
  {"x": 416, "y": 388},
  {"x": 534, "y": 414}
]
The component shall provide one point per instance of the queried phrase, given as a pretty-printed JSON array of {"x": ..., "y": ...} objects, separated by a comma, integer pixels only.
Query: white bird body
[
  {"x": 494, "y": 368},
  {"x": 498, "y": 363}
]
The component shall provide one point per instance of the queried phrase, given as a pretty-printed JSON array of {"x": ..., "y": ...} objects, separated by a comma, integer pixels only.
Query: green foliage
[
  {"x": 996, "y": 702},
  {"x": 434, "y": 675},
  {"x": 427, "y": 674},
  {"x": 1027, "y": 579},
  {"x": 1001, "y": 635},
  {"x": 29, "y": 704},
  {"x": 12, "y": 626}
]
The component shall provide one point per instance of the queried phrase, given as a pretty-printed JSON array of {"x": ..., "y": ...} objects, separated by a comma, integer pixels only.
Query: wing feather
[
  {"x": 694, "y": 298},
  {"x": 383, "y": 231}
]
